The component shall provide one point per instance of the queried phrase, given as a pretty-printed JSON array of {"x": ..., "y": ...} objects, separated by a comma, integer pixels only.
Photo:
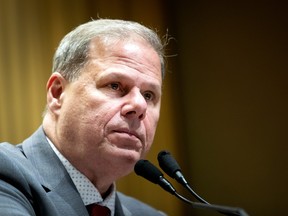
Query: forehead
[{"x": 133, "y": 53}]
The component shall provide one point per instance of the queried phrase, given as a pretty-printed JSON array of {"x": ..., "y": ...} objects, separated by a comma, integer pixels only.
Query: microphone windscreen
[
  {"x": 147, "y": 170},
  {"x": 168, "y": 163}
]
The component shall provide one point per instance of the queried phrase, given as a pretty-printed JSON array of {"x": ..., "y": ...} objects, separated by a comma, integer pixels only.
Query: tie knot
[{"x": 98, "y": 210}]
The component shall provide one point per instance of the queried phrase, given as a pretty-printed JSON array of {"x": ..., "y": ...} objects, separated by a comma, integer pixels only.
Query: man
[{"x": 103, "y": 104}]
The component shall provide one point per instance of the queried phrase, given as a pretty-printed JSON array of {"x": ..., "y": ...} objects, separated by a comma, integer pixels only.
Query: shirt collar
[{"x": 88, "y": 192}]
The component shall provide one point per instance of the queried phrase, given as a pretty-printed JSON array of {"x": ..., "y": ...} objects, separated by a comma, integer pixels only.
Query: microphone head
[
  {"x": 167, "y": 163},
  {"x": 147, "y": 170},
  {"x": 150, "y": 172}
]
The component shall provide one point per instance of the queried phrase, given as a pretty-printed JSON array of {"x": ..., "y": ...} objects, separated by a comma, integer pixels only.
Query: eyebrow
[{"x": 119, "y": 76}]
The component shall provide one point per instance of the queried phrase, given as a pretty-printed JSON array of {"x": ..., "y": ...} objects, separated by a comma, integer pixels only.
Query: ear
[{"x": 55, "y": 91}]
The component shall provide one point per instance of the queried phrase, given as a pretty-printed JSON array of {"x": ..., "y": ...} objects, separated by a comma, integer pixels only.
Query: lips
[
  {"x": 128, "y": 132},
  {"x": 126, "y": 138}
]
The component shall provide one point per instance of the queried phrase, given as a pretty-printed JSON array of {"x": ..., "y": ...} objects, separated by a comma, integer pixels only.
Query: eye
[
  {"x": 115, "y": 86},
  {"x": 148, "y": 96}
]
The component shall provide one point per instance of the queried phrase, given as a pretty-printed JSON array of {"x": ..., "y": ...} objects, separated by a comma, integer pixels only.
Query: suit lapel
[{"x": 52, "y": 175}]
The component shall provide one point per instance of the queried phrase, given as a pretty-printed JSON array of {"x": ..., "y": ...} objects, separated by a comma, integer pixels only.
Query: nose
[{"x": 135, "y": 106}]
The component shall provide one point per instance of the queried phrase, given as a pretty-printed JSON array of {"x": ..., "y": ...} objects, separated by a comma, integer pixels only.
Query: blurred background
[{"x": 224, "y": 110}]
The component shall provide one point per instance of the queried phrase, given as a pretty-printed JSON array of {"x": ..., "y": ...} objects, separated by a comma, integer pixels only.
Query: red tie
[{"x": 98, "y": 210}]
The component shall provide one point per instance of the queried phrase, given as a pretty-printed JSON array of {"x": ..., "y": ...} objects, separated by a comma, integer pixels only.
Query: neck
[{"x": 107, "y": 192}]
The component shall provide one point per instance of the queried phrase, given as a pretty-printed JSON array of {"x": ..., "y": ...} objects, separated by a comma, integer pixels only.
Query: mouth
[
  {"x": 131, "y": 134},
  {"x": 126, "y": 139}
]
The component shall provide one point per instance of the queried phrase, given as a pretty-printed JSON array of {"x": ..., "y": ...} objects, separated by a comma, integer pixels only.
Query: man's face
[{"x": 109, "y": 115}]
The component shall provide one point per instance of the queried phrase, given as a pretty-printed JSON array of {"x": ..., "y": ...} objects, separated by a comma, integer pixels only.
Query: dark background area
[{"x": 232, "y": 101}]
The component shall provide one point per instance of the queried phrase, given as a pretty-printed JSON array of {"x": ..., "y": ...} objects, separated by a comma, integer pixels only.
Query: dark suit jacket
[{"x": 33, "y": 181}]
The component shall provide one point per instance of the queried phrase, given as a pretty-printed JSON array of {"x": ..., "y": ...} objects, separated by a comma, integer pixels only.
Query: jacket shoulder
[
  {"x": 12, "y": 159},
  {"x": 137, "y": 207},
  {"x": 14, "y": 184},
  {"x": 14, "y": 166}
]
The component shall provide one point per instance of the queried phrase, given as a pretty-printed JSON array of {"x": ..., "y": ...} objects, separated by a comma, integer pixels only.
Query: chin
[
  {"x": 129, "y": 156},
  {"x": 125, "y": 161}
]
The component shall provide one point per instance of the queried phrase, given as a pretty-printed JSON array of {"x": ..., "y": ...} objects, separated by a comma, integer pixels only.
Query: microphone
[
  {"x": 170, "y": 166},
  {"x": 147, "y": 170},
  {"x": 150, "y": 172}
]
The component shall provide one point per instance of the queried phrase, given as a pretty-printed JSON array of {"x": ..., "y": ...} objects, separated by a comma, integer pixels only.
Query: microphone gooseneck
[
  {"x": 150, "y": 172},
  {"x": 170, "y": 166}
]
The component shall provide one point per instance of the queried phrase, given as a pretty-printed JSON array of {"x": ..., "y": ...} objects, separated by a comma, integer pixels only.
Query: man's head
[
  {"x": 73, "y": 51},
  {"x": 104, "y": 96}
]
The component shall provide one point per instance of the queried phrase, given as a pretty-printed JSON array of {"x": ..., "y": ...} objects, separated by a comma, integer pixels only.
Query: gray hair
[{"x": 73, "y": 51}]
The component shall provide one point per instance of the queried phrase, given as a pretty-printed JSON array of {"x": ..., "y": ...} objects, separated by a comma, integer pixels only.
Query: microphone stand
[
  {"x": 230, "y": 211},
  {"x": 147, "y": 170}
]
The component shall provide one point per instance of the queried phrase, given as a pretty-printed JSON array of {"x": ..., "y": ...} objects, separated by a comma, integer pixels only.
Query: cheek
[
  {"x": 151, "y": 125},
  {"x": 81, "y": 116}
]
